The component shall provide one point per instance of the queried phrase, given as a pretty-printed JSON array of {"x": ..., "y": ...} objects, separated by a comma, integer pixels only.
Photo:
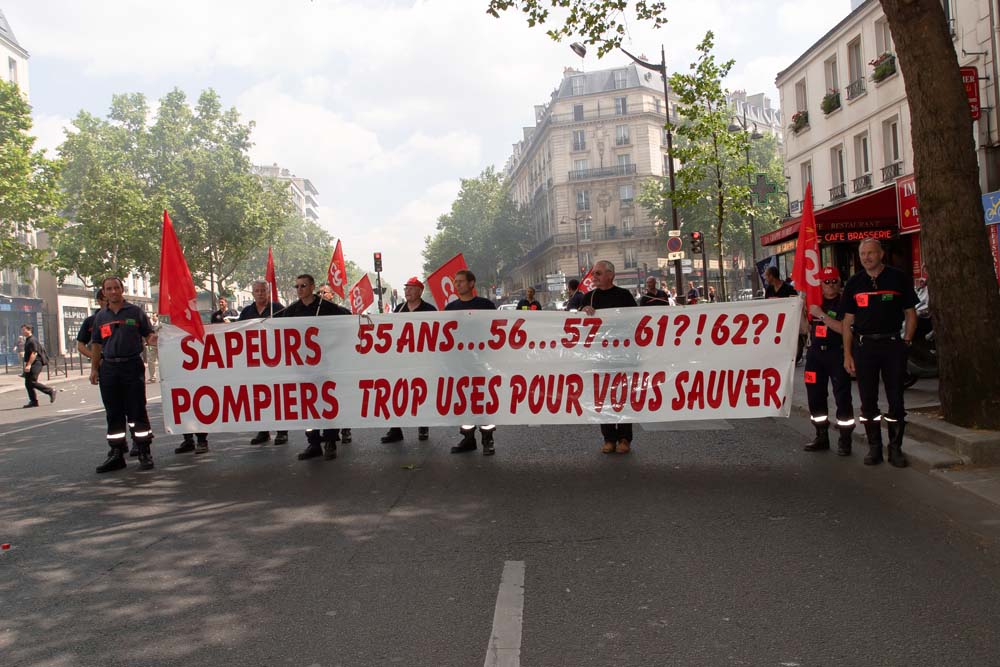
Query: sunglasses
[{"x": 833, "y": 281}]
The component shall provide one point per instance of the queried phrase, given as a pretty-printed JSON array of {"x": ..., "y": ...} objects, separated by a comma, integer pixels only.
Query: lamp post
[
  {"x": 576, "y": 225},
  {"x": 580, "y": 50}
]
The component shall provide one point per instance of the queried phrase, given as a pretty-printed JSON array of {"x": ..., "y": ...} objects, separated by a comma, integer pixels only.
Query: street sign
[
  {"x": 970, "y": 81},
  {"x": 674, "y": 244},
  {"x": 675, "y": 255},
  {"x": 687, "y": 264},
  {"x": 674, "y": 232}
]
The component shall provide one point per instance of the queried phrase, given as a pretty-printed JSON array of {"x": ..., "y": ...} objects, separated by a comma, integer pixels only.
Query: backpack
[{"x": 43, "y": 355}]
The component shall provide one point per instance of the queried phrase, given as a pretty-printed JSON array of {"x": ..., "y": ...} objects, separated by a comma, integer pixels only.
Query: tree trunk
[{"x": 964, "y": 299}]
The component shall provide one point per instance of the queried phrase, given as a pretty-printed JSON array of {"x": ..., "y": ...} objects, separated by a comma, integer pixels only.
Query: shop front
[{"x": 15, "y": 312}]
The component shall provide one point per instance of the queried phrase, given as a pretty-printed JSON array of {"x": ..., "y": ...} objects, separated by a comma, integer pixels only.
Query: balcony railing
[
  {"x": 626, "y": 203},
  {"x": 856, "y": 88},
  {"x": 579, "y": 145},
  {"x": 892, "y": 172},
  {"x": 862, "y": 183},
  {"x": 583, "y": 206},
  {"x": 838, "y": 192},
  {"x": 602, "y": 172},
  {"x": 622, "y": 141}
]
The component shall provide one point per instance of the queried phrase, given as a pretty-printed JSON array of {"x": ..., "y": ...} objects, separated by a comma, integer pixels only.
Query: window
[
  {"x": 666, "y": 164},
  {"x": 624, "y": 160},
  {"x": 579, "y": 140},
  {"x": 586, "y": 259},
  {"x": 890, "y": 135},
  {"x": 883, "y": 39},
  {"x": 855, "y": 63},
  {"x": 806, "y": 173},
  {"x": 577, "y": 112},
  {"x": 862, "y": 161},
  {"x": 584, "y": 224},
  {"x": 832, "y": 80},
  {"x": 631, "y": 258},
  {"x": 628, "y": 223},
  {"x": 621, "y": 135},
  {"x": 576, "y": 85},
  {"x": 657, "y": 105},
  {"x": 583, "y": 200},
  {"x": 621, "y": 106},
  {"x": 621, "y": 79},
  {"x": 626, "y": 193},
  {"x": 800, "y": 96},
  {"x": 837, "y": 165},
  {"x": 12, "y": 70},
  {"x": 581, "y": 165}
]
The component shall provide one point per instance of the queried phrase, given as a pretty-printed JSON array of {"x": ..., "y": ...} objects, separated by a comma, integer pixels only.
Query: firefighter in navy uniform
[
  {"x": 120, "y": 332},
  {"x": 413, "y": 290},
  {"x": 877, "y": 301},
  {"x": 261, "y": 308},
  {"x": 825, "y": 365},
  {"x": 321, "y": 442}
]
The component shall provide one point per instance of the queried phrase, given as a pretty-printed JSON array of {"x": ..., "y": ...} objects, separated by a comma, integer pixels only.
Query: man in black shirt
[
  {"x": 120, "y": 332},
  {"x": 692, "y": 295},
  {"x": 322, "y": 442},
  {"x": 825, "y": 365},
  {"x": 413, "y": 291},
  {"x": 776, "y": 287},
  {"x": 575, "y": 300},
  {"x": 32, "y": 369},
  {"x": 617, "y": 437},
  {"x": 261, "y": 308},
  {"x": 465, "y": 285},
  {"x": 877, "y": 300},
  {"x": 653, "y": 296},
  {"x": 528, "y": 302},
  {"x": 224, "y": 313},
  {"x": 87, "y": 328}
]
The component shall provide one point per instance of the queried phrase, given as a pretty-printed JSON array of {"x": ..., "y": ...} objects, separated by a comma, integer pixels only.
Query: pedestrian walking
[
  {"x": 465, "y": 285},
  {"x": 692, "y": 295},
  {"x": 119, "y": 333},
  {"x": 825, "y": 366},
  {"x": 320, "y": 442},
  {"x": 617, "y": 437},
  {"x": 877, "y": 301},
  {"x": 34, "y": 359},
  {"x": 413, "y": 292},
  {"x": 261, "y": 308},
  {"x": 653, "y": 296}
]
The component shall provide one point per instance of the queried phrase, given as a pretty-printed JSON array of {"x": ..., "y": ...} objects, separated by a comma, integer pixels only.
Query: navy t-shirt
[
  {"x": 878, "y": 303},
  {"x": 476, "y": 303},
  {"x": 121, "y": 334}
]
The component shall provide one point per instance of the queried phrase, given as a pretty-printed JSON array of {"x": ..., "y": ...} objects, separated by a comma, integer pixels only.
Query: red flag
[
  {"x": 805, "y": 273},
  {"x": 269, "y": 276},
  {"x": 336, "y": 275},
  {"x": 442, "y": 282},
  {"x": 587, "y": 283},
  {"x": 178, "y": 299},
  {"x": 362, "y": 295}
]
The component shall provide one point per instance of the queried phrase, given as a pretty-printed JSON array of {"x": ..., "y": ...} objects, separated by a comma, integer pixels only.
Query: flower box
[
  {"x": 884, "y": 67},
  {"x": 831, "y": 102},
  {"x": 800, "y": 121}
]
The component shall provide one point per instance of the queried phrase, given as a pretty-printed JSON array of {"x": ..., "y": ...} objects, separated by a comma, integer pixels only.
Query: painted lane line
[
  {"x": 66, "y": 419},
  {"x": 505, "y": 640}
]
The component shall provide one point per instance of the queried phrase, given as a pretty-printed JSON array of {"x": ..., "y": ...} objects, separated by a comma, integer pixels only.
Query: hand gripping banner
[{"x": 716, "y": 361}]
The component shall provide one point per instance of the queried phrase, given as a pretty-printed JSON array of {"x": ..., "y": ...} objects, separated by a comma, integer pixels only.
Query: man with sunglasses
[
  {"x": 876, "y": 302},
  {"x": 825, "y": 364},
  {"x": 322, "y": 442}
]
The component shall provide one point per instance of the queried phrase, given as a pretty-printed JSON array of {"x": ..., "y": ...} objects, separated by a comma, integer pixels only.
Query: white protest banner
[{"x": 715, "y": 361}]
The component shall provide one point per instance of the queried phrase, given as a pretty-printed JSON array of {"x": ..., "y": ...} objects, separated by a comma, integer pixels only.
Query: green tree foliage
[
  {"x": 29, "y": 191},
  {"x": 121, "y": 172},
  {"x": 484, "y": 224}
]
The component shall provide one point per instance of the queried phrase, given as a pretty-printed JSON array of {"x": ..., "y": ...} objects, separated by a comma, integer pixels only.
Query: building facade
[
  {"x": 579, "y": 170},
  {"x": 303, "y": 193},
  {"x": 849, "y": 135}
]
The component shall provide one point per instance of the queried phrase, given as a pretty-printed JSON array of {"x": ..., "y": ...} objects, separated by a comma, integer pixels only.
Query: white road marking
[
  {"x": 65, "y": 419},
  {"x": 505, "y": 640}
]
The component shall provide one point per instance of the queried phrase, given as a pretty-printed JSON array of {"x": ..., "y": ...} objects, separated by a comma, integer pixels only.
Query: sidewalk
[
  {"x": 966, "y": 458},
  {"x": 12, "y": 381}
]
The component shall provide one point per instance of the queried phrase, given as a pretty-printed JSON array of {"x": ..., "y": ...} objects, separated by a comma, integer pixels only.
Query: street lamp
[
  {"x": 581, "y": 50},
  {"x": 744, "y": 126},
  {"x": 576, "y": 225}
]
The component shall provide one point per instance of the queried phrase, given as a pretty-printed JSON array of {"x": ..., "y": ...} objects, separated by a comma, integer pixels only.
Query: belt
[
  {"x": 878, "y": 337},
  {"x": 120, "y": 360}
]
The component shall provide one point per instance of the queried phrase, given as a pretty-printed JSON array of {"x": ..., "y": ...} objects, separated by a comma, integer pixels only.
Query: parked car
[{"x": 507, "y": 306}]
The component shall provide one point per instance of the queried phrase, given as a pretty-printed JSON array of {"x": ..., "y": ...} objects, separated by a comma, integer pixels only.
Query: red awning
[{"x": 873, "y": 210}]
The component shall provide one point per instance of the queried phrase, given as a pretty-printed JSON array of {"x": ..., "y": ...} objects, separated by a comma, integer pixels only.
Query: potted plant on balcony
[
  {"x": 884, "y": 67},
  {"x": 831, "y": 101},
  {"x": 800, "y": 120}
]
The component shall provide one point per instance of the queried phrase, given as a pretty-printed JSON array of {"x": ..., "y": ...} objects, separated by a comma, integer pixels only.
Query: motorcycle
[{"x": 922, "y": 359}]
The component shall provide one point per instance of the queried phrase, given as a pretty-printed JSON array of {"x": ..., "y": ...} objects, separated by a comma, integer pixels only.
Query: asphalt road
[{"x": 718, "y": 546}]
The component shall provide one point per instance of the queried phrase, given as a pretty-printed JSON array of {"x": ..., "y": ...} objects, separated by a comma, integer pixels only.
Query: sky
[{"x": 385, "y": 105}]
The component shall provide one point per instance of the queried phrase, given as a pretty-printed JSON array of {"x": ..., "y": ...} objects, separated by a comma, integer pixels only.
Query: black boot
[
  {"x": 312, "y": 450},
  {"x": 394, "y": 435},
  {"x": 423, "y": 433},
  {"x": 281, "y": 438},
  {"x": 873, "y": 431},
  {"x": 896, "y": 457},
  {"x": 844, "y": 441},
  {"x": 345, "y": 436},
  {"x": 202, "y": 446},
  {"x": 467, "y": 444},
  {"x": 822, "y": 440},
  {"x": 115, "y": 460},
  {"x": 145, "y": 456},
  {"x": 185, "y": 447},
  {"x": 488, "y": 449},
  {"x": 134, "y": 452},
  {"x": 330, "y": 450},
  {"x": 261, "y": 438}
]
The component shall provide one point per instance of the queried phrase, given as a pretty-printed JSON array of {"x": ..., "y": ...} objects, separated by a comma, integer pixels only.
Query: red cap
[
  {"x": 414, "y": 282},
  {"x": 829, "y": 273}
]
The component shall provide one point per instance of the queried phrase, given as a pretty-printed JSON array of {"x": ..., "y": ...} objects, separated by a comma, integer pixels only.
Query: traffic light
[
  {"x": 697, "y": 243},
  {"x": 378, "y": 262}
]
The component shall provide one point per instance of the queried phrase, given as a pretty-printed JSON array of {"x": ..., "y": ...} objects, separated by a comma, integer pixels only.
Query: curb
[{"x": 978, "y": 447}]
